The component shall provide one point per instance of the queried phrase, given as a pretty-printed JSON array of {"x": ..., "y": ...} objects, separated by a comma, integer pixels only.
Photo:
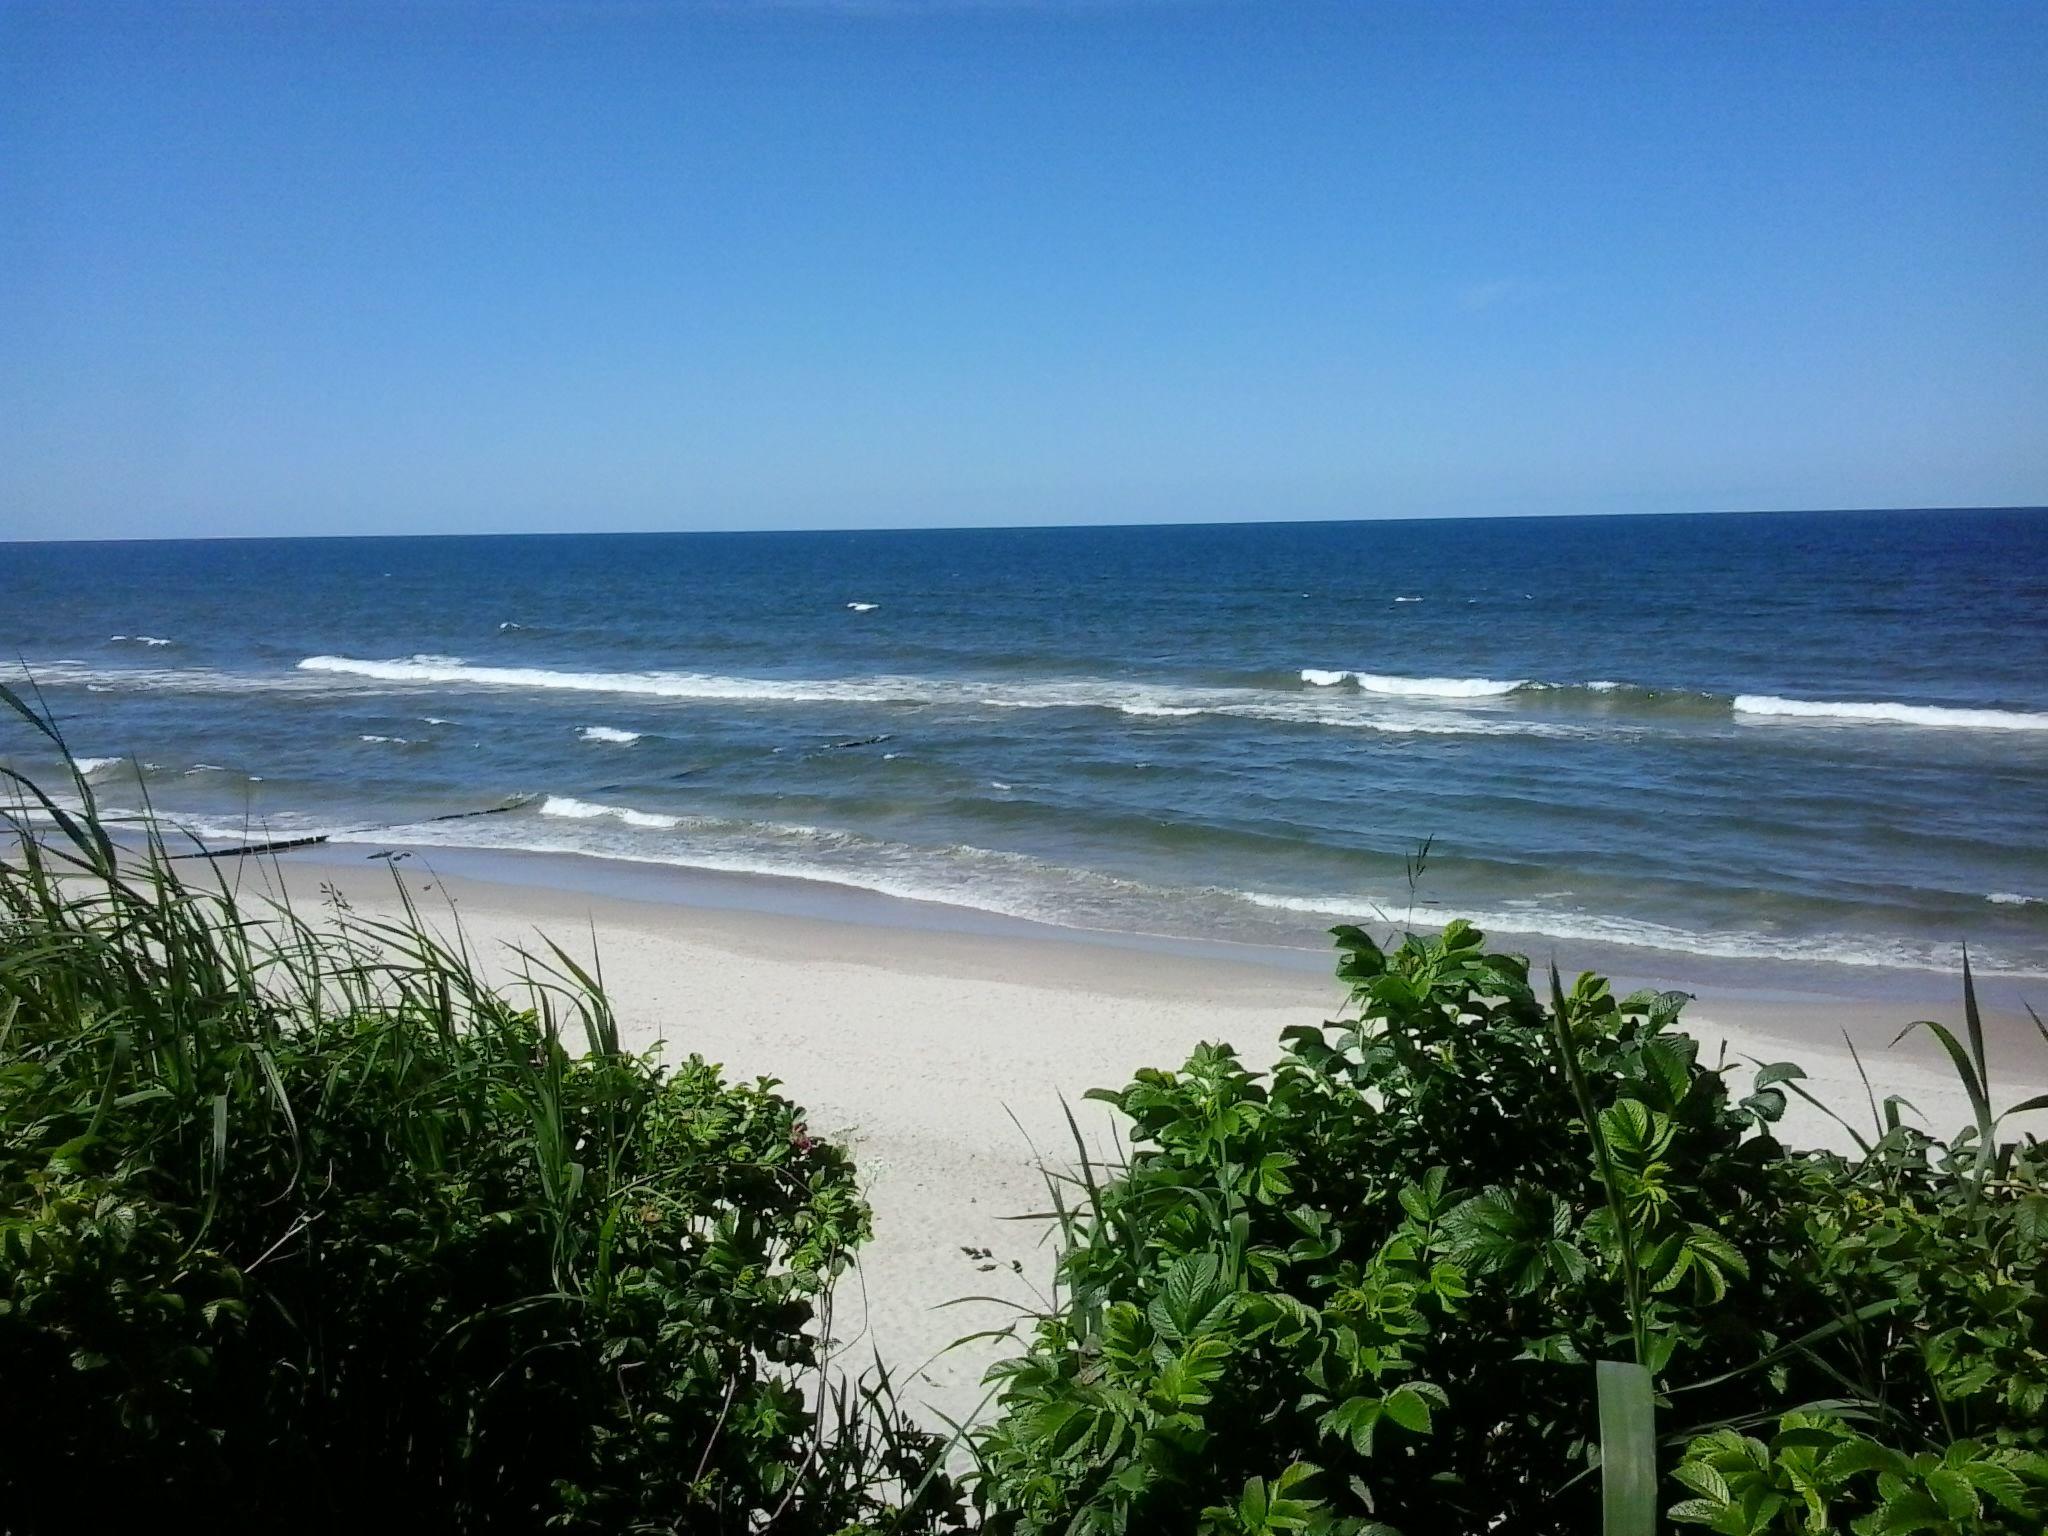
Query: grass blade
[{"x": 1628, "y": 1449}]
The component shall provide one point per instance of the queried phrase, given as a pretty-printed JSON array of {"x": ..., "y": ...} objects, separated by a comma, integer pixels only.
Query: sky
[{"x": 509, "y": 265}]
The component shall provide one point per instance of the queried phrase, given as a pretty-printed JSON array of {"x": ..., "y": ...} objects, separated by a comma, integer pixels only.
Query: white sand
[{"x": 916, "y": 1049}]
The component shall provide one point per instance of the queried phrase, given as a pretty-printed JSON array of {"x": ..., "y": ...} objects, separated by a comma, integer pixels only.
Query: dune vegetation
[{"x": 302, "y": 1219}]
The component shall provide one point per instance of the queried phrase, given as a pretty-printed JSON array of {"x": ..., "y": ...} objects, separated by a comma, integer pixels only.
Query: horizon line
[{"x": 1218, "y": 522}]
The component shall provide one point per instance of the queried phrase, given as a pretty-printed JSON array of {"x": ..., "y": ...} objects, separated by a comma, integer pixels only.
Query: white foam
[
  {"x": 1407, "y": 599},
  {"x": 142, "y": 679},
  {"x": 608, "y": 733},
  {"x": 1389, "y": 685},
  {"x": 508, "y": 624},
  {"x": 141, "y": 639},
  {"x": 1328, "y": 906},
  {"x": 586, "y": 810},
  {"x": 1144, "y": 700},
  {"x": 1635, "y": 933},
  {"x": 1022, "y": 886},
  {"x": 958, "y": 875},
  {"x": 664, "y": 685},
  {"x": 1436, "y": 687},
  {"x": 92, "y": 765},
  {"x": 432, "y": 720},
  {"x": 1998, "y": 898},
  {"x": 393, "y": 741},
  {"x": 1078, "y": 694},
  {"x": 1157, "y": 700},
  {"x": 863, "y": 607},
  {"x": 1887, "y": 713}
]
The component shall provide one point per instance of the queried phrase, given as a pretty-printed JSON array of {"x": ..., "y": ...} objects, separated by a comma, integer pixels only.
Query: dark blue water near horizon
[{"x": 1819, "y": 736}]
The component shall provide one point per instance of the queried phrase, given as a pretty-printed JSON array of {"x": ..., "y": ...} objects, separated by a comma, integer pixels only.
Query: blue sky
[{"x": 454, "y": 266}]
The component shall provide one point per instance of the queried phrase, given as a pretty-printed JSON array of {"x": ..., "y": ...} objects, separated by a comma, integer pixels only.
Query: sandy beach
[{"x": 942, "y": 1056}]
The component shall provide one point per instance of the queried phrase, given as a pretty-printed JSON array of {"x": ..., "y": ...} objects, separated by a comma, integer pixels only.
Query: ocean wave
[
  {"x": 569, "y": 807},
  {"x": 388, "y": 741},
  {"x": 1391, "y": 686},
  {"x": 608, "y": 733},
  {"x": 1143, "y": 700},
  {"x": 88, "y": 766},
  {"x": 1641, "y": 933},
  {"x": 2014, "y": 899},
  {"x": 1884, "y": 712},
  {"x": 1025, "y": 886},
  {"x": 1435, "y": 687},
  {"x": 664, "y": 685},
  {"x": 1393, "y": 703},
  {"x": 863, "y": 607},
  {"x": 206, "y": 680},
  {"x": 140, "y": 639},
  {"x": 957, "y": 875},
  {"x": 1607, "y": 693}
]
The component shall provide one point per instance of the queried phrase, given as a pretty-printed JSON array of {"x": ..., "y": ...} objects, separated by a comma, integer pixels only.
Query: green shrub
[
  {"x": 310, "y": 1225},
  {"x": 1364, "y": 1294},
  {"x": 1934, "y": 1257}
]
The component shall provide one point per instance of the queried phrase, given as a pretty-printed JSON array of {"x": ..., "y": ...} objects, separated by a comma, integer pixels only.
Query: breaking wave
[
  {"x": 584, "y": 810},
  {"x": 1393, "y": 703},
  {"x": 1884, "y": 712},
  {"x": 1141, "y": 700},
  {"x": 1636, "y": 933}
]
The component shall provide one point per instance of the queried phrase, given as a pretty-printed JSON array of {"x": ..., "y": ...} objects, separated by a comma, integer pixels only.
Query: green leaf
[
  {"x": 1628, "y": 1449},
  {"x": 1409, "y": 1409}
]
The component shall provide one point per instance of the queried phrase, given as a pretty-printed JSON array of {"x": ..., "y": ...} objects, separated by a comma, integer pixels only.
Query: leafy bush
[
  {"x": 1934, "y": 1257},
  {"x": 1363, "y": 1295},
  {"x": 311, "y": 1225}
]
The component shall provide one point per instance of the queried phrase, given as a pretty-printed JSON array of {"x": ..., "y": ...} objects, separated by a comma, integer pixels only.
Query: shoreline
[
  {"x": 1759, "y": 979},
  {"x": 945, "y": 1047}
]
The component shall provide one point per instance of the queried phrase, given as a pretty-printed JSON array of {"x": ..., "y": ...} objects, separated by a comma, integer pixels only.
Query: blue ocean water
[{"x": 1815, "y": 736}]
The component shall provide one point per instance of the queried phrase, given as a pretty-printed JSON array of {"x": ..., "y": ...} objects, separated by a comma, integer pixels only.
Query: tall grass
[{"x": 303, "y": 1218}]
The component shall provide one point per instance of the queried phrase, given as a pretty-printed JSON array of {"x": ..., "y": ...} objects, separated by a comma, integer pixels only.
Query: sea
[{"x": 1815, "y": 737}]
